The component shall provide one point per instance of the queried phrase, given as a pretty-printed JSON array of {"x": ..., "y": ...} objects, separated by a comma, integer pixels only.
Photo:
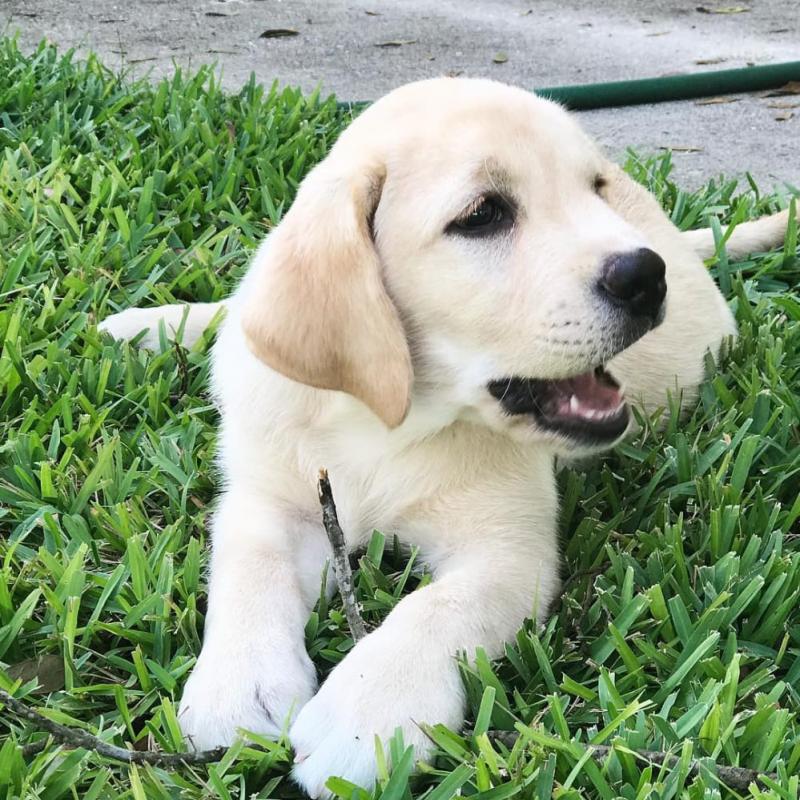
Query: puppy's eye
[
  {"x": 599, "y": 183},
  {"x": 484, "y": 217}
]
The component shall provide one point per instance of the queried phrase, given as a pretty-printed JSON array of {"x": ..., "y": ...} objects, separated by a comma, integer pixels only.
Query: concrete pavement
[{"x": 360, "y": 49}]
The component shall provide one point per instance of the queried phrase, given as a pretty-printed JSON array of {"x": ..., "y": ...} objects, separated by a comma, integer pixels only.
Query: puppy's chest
[
  {"x": 372, "y": 494},
  {"x": 377, "y": 483}
]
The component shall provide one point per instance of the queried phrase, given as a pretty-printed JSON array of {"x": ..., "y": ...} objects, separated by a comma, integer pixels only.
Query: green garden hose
[
  {"x": 662, "y": 90},
  {"x": 674, "y": 87}
]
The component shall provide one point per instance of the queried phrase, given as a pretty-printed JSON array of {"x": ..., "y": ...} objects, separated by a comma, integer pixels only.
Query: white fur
[
  {"x": 472, "y": 488},
  {"x": 747, "y": 237},
  {"x": 194, "y": 318}
]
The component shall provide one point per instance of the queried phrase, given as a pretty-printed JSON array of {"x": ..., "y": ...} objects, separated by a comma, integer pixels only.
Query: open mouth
[{"x": 589, "y": 407}]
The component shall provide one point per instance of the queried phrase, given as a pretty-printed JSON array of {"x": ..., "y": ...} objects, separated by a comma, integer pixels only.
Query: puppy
[{"x": 456, "y": 296}]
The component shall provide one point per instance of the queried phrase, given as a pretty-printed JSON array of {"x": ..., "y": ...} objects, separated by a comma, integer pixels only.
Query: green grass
[{"x": 679, "y": 629}]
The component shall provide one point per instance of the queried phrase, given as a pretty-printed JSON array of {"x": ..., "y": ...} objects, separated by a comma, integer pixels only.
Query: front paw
[
  {"x": 225, "y": 694},
  {"x": 375, "y": 690}
]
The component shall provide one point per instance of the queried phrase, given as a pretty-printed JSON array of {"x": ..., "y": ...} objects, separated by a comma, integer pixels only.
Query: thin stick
[
  {"x": 341, "y": 563},
  {"x": 738, "y": 778},
  {"x": 75, "y": 737}
]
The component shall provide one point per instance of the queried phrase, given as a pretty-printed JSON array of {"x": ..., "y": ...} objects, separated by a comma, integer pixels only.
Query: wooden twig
[
  {"x": 75, "y": 737},
  {"x": 341, "y": 563},
  {"x": 34, "y": 748},
  {"x": 737, "y": 778}
]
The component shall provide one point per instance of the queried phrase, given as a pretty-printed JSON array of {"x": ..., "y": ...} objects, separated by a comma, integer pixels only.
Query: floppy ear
[
  {"x": 632, "y": 201},
  {"x": 318, "y": 311}
]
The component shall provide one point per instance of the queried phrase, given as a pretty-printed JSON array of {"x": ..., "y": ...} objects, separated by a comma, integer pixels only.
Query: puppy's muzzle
[{"x": 634, "y": 283}]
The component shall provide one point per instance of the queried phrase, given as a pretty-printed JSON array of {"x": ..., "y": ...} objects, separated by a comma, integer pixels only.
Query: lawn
[{"x": 678, "y": 630}]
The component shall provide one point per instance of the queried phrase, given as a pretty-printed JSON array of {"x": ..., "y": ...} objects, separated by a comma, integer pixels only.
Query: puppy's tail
[
  {"x": 183, "y": 321},
  {"x": 747, "y": 237}
]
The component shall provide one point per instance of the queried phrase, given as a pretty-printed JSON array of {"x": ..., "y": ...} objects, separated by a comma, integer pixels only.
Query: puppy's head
[{"x": 476, "y": 227}]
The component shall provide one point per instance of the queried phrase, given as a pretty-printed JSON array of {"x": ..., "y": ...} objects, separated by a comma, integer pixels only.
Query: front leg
[
  {"x": 253, "y": 671},
  {"x": 406, "y": 672}
]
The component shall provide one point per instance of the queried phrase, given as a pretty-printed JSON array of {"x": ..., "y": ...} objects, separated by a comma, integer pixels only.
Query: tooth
[
  {"x": 590, "y": 413},
  {"x": 573, "y": 404}
]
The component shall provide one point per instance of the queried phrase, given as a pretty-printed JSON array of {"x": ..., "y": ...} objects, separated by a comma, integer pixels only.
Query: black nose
[{"x": 635, "y": 281}]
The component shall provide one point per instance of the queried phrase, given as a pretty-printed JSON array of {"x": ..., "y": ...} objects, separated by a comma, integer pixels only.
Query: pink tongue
[{"x": 590, "y": 392}]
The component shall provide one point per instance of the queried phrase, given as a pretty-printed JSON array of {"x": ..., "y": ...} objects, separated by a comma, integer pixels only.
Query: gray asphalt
[{"x": 359, "y": 49}]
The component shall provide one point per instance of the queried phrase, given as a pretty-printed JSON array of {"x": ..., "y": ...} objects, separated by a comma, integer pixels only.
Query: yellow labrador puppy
[{"x": 464, "y": 288}]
